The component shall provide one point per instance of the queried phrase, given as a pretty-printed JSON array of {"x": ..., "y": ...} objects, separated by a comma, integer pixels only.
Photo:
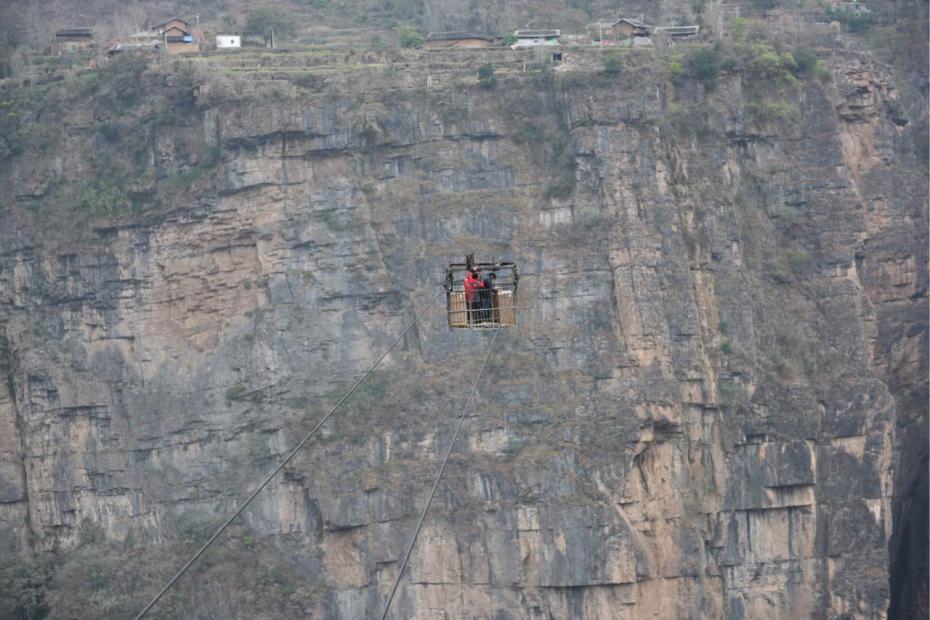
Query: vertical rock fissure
[
  {"x": 891, "y": 291},
  {"x": 6, "y": 366}
]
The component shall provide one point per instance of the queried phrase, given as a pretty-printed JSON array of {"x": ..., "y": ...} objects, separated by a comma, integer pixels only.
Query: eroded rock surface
[{"x": 695, "y": 418}]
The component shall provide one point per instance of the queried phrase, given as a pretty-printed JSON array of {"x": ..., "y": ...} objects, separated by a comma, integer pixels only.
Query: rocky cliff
[{"x": 723, "y": 319}]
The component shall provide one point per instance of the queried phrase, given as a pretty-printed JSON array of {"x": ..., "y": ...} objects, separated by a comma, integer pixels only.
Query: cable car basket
[{"x": 490, "y": 303}]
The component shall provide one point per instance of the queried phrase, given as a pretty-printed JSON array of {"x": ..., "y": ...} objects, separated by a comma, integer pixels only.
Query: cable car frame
[{"x": 490, "y": 308}]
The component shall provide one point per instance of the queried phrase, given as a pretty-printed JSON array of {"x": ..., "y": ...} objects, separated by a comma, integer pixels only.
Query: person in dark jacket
[
  {"x": 472, "y": 286},
  {"x": 486, "y": 294}
]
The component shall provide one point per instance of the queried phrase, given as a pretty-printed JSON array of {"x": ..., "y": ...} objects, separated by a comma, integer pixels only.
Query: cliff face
[{"x": 722, "y": 319}]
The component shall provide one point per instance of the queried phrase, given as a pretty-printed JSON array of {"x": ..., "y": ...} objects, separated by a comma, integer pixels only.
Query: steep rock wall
[{"x": 695, "y": 418}]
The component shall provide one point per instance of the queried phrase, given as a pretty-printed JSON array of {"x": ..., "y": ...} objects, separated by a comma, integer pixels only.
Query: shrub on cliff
[
  {"x": 121, "y": 79},
  {"x": 799, "y": 260},
  {"x": 778, "y": 111},
  {"x": 685, "y": 121},
  {"x": 704, "y": 65},
  {"x": 104, "y": 198},
  {"x": 20, "y": 131},
  {"x": 22, "y": 589},
  {"x": 486, "y": 76},
  {"x": 854, "y": 20},
  {"x": 378, "y": 44},
  {"x": 409, "y": 37},
  {"x": 806, "y": 62},
  {"x": 738, "y": 27},
  {"x": 766, "y": 65},
  {"x": 613, "y": 62},
  {"x": 673, "y": 64}
]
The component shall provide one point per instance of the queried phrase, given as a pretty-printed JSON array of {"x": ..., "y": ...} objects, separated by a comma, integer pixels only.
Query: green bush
[
  {"x": 774, "y": 111},
  {"x": 409, "y": 38},
  {"x": 779, "y": 274},
  {"x": 19, "y": 130},
  {"x": 109, "y": 131},
  {"x": 805, "y": 60},
  {"x": 738, "y": 27},
  {"x": 767, "y": 67},
  {"x": 509, "y": 40},
  {"x": 799, "y": 260},
  {"x": 486, "y": 76},
  {"x": 22, "y": 588},
  {"x": 11, "y": 145},
  {"x": 822, "y": 71},
  {"x": 89, "y": 533},
  {"x": 673, "y": 63},
  {"x": 732, "y": 393},
  {"x": 853, "y": 20},
  {"x": 104, "y": 198},
  {"x": 678, "y": 117},
  {"x": 684, "y": 121},
  {"x": 529, "y": 133},
  {"x": 121, "y": 80},
  {"x": 613, "y": 62},
  {"x": 704, "y": 65}
]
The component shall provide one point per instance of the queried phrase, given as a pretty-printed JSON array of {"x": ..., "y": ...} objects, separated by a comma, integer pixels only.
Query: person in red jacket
[{"x": 472, "y": 284}]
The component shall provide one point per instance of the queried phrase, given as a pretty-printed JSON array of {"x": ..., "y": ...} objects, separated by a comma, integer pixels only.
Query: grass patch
[
  {"x": 104, "y": 198},
  {"x": 777, "y": 111},
  {"x": 336, "y": 220},
  {"x": 235, "y": 392},
  {"x": 799, "y": 260},
  {"x": 732, "y": 393},
  {"x": 779, "y": 274}
]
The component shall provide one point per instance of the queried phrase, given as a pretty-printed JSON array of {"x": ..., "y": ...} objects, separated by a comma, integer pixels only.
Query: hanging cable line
[
  {"x": 287, "y": 460},
  {"x": 429, "y": 499}
]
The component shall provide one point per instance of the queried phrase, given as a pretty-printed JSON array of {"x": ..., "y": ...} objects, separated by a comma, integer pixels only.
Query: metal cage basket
[{"x": 488, "y": 306}]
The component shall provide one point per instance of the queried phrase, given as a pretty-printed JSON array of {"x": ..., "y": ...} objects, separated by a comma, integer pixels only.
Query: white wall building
[
  {"x": 228, "y": 41},
  {"x": 535, "y": 38}
]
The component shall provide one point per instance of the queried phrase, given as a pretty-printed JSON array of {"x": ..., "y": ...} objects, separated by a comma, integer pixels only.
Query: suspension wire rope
[
  {"x": 429, "y": 499},
  {"x": 287, "y": 460}
]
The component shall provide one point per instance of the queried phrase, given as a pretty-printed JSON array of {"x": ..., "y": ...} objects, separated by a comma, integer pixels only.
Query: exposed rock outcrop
[{"x": 696, "y": 417}]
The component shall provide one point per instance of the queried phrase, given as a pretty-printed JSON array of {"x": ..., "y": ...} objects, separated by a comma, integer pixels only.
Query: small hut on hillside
[
  {"x": 178, "y": 36},
  {"x": 73, "y": 39},
  {"x": 629, "y": 27}
]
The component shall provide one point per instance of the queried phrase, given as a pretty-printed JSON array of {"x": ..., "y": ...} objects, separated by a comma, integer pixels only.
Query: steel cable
[
  {"x": 287, "y": 460},
  {"x": 429, "y": 500}
]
